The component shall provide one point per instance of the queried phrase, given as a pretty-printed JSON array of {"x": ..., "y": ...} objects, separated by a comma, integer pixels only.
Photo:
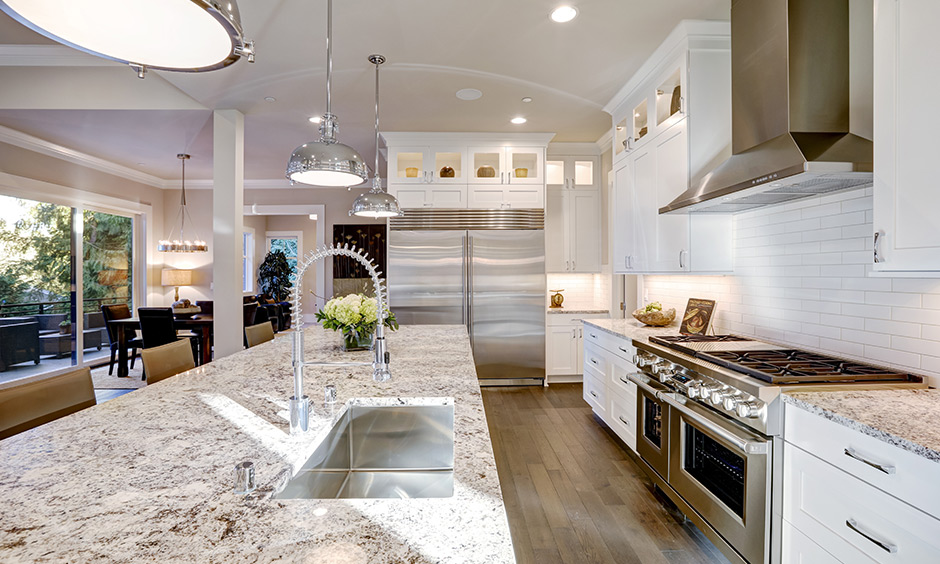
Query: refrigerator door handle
[
  {"x": 470, "y": 288},
  {"x": 463, "y": 284}
]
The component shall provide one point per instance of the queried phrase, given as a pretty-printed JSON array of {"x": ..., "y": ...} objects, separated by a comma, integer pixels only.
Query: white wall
[{"x": 801, "y": 279}]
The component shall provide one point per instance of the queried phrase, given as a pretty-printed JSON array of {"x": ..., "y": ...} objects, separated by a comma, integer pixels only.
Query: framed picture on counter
[{"x": 698, "y": 317}]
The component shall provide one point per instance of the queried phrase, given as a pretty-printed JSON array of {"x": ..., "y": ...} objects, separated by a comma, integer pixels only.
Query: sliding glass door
[{"x": 50, "y": 255}]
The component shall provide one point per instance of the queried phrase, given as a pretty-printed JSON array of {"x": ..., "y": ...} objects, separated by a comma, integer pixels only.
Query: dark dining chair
[
  {"x": 248, "y": 318},
  {"x": 113, "y": 312},
  {"x": 157, "y": 328}
]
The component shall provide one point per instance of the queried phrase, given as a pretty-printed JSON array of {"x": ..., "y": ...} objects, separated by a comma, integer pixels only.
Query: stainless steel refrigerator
[{"x": 490, "y": 280}]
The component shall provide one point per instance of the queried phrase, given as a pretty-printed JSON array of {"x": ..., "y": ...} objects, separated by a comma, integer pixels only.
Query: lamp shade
[
  {"x": 174, "y": 277},
  {"x": 180, "y": 35}
]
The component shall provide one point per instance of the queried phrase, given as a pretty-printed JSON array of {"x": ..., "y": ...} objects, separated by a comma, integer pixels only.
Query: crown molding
[
  {"x": 48, "y": 56},
  {"x": 605, "y": 141},
  {"x": 37, "y": 145}
]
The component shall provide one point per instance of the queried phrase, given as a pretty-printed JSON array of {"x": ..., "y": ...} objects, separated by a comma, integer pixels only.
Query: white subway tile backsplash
[{"x": 801, "y": 278}]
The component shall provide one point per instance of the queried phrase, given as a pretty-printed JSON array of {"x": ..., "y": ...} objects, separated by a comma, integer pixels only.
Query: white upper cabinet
[
  {"x": 672, "y": 124},
  {"x": 572, "y": 215},
  {"x": 906, "y": 199},
  {"x": 461, "y": 170}
]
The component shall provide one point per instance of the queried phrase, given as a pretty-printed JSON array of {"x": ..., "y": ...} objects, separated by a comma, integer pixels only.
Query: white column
[{"x": 228, "y": 196}]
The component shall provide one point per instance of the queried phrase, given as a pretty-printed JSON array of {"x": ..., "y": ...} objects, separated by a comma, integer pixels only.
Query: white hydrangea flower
[{"x": 369, "y": 309}]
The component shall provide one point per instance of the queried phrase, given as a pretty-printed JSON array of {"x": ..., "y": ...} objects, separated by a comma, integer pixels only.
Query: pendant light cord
[
  {"x": 376, "y": 179},
  {"x": 329, "y": 54}
]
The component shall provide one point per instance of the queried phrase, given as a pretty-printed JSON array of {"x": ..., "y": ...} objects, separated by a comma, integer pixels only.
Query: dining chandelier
[
  {"x": 175, "y": 35},
  {"x": 376, "y": 202},
  {"x": 327, "y": 162},
  {"x": 183, "y": 245}
]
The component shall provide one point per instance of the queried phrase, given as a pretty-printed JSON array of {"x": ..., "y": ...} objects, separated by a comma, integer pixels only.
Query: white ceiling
[{"x": 507, "y": 49}]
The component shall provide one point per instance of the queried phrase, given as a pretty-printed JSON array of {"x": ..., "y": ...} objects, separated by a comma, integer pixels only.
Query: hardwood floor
[{"x": 572, "y": 492}]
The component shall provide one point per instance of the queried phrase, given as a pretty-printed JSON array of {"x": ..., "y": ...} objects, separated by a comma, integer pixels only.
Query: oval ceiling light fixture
[
  {"x": 376, "y": 203},
  {"x": 174, "y": 35},
  {"x": 327, "y": 162},
  {"x": 527, "y": 99},
  {"x": 564, "y": 14},
  {"x": 469, "y": 94},
  {"x": 518, "y": 120},
  {"x": 270, "y": 99}
]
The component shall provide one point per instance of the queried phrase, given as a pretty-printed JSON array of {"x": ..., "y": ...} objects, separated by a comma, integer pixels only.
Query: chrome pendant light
[
  {"x": 175, "y": 35},
  {"x": 376, "y": 202},
  {"x": 183, "y": 245},
  {"x": 327, "y": 162}
]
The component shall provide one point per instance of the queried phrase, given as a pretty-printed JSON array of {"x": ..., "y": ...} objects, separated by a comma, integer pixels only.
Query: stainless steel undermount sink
[{"x": 381, "y": 452}]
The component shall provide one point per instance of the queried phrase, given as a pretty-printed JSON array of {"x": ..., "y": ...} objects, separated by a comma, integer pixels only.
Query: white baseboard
[{"x": 564, "y": 379}]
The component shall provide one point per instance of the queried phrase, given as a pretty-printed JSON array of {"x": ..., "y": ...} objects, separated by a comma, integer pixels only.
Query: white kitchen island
[{"x": 148, "y": 477}]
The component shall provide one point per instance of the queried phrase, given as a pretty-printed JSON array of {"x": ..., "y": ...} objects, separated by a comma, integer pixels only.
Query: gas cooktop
[{"x": 789, "y": 366}]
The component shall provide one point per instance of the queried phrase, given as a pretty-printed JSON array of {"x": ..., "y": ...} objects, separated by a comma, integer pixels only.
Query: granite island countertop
[
  {"x": 904, "y": 418},
  {"x": 631, "y": 328},
  {"x": 148, "y": 477}
]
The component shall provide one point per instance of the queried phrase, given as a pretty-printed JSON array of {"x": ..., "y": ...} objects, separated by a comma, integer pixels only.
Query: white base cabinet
[
  {"x": 854, "y": 499},
  {"x": 564, "y": 351},
  {"x": 607, "y": 361}
]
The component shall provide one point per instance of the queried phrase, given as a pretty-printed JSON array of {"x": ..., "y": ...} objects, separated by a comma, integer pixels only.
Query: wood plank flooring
[{"x": 572, "y": 493}]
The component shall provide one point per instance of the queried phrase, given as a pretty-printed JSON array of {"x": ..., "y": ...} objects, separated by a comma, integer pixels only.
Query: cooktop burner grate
[
  {"x": 667, "y": 339},
  {"x": 796, "y": 366}
]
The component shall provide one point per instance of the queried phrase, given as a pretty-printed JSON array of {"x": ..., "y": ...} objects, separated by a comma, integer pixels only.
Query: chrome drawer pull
[
  {"x": 593, "y": 394},
  {"x": 622, "y": 349},
  {"x": 885, "y": 545},
  {"x": 850, "y": 452},
  {"x": 624, "y": 421},
  {"x": 594, "y": 361}
]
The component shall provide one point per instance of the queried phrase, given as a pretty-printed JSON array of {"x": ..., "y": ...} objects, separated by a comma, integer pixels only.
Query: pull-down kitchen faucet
[{"x": 299, "y": 403}]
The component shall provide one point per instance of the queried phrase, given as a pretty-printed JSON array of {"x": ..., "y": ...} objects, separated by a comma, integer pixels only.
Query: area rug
[{"x": 102, "y": 381}]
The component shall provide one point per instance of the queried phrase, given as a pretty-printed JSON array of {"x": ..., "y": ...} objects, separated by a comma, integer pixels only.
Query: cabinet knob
[{"x": 878, "y": 235}]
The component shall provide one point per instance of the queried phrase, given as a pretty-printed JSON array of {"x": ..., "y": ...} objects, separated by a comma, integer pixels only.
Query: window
[
  {"x": 248, "y": 267},
  {"x": 290, "y": 243}
]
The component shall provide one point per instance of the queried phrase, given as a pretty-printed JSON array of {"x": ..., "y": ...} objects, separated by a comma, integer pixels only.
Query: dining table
[{"x": 201, "y": 325}]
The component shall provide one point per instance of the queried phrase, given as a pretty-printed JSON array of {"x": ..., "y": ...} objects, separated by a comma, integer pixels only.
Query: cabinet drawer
[
  {"x": 597, "y": 358},
  {"x": 620, "y": 346},
  {"x": 851, "y": 519},
  {"x": 623, "y": 414},
  {"x": 595, "y": 393},
  {"x": 903, "y": 474},
  {"x": 800, "y": 549}
]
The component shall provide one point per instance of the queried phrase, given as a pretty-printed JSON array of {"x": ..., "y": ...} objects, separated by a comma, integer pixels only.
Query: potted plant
[
  {"x": 356, "y": 316},
  {"x": 65, "y": 327},
  {"x": 274, "y": 275}
]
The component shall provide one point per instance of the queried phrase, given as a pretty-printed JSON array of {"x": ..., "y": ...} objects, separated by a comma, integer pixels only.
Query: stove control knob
[
  {"x": 663, "y": 367},
  {"x": 693, "y": 389},
  {"x": 750, "y": 409},
  {"x": 718, "y": 396},
  {"x": 731, "y": 402},
  {"x": 705, "y": 390}
]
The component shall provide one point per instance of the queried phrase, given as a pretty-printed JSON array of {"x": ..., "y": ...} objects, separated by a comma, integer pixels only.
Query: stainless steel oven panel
[
  {"x": 649, "y": 396},
  {"x": 748, "y": 533}
]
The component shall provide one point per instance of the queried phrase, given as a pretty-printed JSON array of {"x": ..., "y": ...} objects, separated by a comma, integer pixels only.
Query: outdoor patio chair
[
  {"x": 119, "y": 311},
  {"x": 45, "y": 399},
  {"x": 19, "y": 341},
  {"x": 167, "y": 360},
  {"x": 260, "y": 333}
]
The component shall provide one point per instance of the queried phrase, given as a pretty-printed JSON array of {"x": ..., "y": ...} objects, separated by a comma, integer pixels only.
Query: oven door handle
[
  {"x": 642, "y": 382},
  {"x": 744, "y": 445}
]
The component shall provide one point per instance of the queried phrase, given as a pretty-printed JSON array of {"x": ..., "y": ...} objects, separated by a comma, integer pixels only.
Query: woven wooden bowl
[{"x": 655, "y": 318}]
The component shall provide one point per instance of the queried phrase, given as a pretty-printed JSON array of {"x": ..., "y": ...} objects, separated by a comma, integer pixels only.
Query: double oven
[
  {"x": 722, "y": 471},
  {"x": 709, "y": 415}
]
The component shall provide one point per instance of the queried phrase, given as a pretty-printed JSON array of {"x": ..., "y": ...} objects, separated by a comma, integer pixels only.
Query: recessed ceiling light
[
  {"x": 564, "y": 14},
  {"x": 518, "y": 120},
  {"x": 314, "y": 119},
  {"x": 636, "y": 114},
  {"x": 270, "y": 99},
  {"x": 469, "y": 94},
  {"x": 527, "y": 99}
]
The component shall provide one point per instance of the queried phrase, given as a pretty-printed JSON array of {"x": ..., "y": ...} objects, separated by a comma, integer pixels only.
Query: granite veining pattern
[
  {"x": 148, "y": 477},
  {"x": 904, "y": 418},
  {"x": 631, "y": 328}
]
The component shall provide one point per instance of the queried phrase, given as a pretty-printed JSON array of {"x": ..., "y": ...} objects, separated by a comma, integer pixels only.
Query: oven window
[
  {"x": 717, "y": 468},
  {"x": 653, "y": 422}
]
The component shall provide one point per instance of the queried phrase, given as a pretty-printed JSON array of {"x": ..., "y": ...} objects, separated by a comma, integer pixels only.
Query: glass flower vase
[{"x": 353, "y": 342}]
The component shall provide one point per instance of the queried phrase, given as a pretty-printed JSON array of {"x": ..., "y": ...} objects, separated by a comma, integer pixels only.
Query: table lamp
[{"x": 177, "y": 278}]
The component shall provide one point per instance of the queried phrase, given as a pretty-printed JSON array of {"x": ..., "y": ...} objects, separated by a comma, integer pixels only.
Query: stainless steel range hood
[{"x": 791, "y": 132}]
